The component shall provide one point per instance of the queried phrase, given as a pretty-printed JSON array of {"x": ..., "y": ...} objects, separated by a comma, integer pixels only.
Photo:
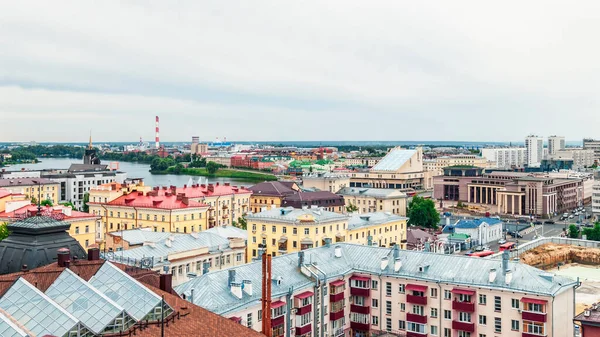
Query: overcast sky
[{"x": 299, "y": 70}]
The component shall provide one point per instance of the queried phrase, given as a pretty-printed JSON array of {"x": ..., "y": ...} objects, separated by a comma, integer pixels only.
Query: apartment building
[
  {"x": 38, "y": 188},
  {"x": 354, "y": 290},
  {"x": 535, "y": 150},
  {"x": 377, "y": 228},
  {"x": 582, "y": 158},
  {"x": 436, "y": 165},
  {"x": 367, "y": 200},
  {"x": 270, "y": 194},
  {"x": 594, "y": 145},
  {"x": 555, "y": 143},
  {"x": 596, "y": 200},
  {"x": 325, "y": 200},
  {"x": 505, "y": 157},
  {"x": 331, "y": 182},
  {"x": 361, "y": 161}
]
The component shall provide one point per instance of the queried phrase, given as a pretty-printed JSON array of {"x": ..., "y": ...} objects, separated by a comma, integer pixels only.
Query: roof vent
[
  {"x": 508, "y": 277},
  {"x": 586, "y": 313},
  {"x": 365, "y": 217},
  {"x": 384, "y": 263},
  {"x": 338, "y": 251},
  {"x": 548, "y": 277},
  {"x": 168, "y": 243}
]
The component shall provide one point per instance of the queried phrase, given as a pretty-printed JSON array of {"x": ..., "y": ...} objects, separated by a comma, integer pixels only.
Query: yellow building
[
  {"x": 436, "y": 165},
  {"x": 287, "y": 230},
  {"x": 11, "y": 201},
  {"x": 108, "y": 192},
  {"x": 331, "y": 182},
  {"x": 33, "y": 188},
  {"x": 366, "y": 200},
  {"x": 85, "y": 227},
  {"x": 270, "y": 194}
]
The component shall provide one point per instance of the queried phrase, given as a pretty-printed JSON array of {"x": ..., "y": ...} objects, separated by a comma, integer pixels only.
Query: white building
[
  {"x": 582, "y": 158},
  {"x": 482, "y": 231},
  {"x": 596, "y": 200},
  {"x": 555, "y": 143},
  {"x": 535, "y": 150},
  {"x": 594, "y": 145},
  {"x": 505, "y": 157}
]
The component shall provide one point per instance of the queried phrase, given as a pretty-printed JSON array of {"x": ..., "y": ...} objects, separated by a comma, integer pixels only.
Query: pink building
[{"x": 355, "y": 290}]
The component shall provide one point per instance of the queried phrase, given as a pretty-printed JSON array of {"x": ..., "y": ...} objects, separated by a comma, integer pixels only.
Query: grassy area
[{"x": 222, "y": 173}]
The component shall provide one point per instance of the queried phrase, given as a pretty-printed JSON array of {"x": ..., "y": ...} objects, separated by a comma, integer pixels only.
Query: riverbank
[{"x": 221, "y": 173}]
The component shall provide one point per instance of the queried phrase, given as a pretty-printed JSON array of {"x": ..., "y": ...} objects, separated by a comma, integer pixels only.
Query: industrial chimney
[{"x": 156, "y": 134}]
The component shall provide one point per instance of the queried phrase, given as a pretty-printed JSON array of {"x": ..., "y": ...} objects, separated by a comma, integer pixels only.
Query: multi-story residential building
[
  {"x": 596, "y": 200},
  {"x": 361, "y": 161},
  {"x": 582, "y": 158},
  {"x": 506, "y": 157},
  {"x": 555, "y": 143},
  {"x": 111, "y": 191},
  {"x": 353, "y": 290},
  {"x": 400, "y": 168},
  {"x": 378, "y": 228},
  {"x": 515, "y": 193},
  {"x": 323, "y": 199},
  {"x": 270, "y": 194},
  {"x": 535, "y": 150},
  {"x": 368, "y": 200},
  {"x": 592, "y": 144},
  {"x": 38, "y": 188},
  {"x": 436, "y": 165},
  {"x": 589, "y": 321},
  {"x": 85, "y": 227},
  {"x": 331, "y": 182},
  {"x": 183, "y": 255}
]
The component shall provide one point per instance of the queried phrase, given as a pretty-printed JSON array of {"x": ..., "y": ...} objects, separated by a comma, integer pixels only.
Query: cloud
[{"x": 264, "y": 70}]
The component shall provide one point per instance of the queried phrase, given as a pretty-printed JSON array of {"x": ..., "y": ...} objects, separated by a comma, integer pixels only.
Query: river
[{"x": 134, "y": 170}]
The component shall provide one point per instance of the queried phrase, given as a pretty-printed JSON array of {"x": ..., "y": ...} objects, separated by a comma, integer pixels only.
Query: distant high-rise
[
  {"x": 555, "y": 143},
  {"x": 592, "y": 144},
  {"x": 535, "y": 150}
]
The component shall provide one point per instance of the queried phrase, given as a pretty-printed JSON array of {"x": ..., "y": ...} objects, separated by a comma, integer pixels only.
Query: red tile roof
[
  {"x": 162, "y": 199},
  {"x": 198, "y": 191},
  {"x": 32, "y": 209},
  {"x": 4, "y": 193}
]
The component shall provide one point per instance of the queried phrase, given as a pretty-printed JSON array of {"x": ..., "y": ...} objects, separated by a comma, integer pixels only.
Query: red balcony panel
[
  {"x": 360, "y": 292},
  {"x": 534, "y": 316},
  {"x": 359, "y": 326},
  {"x": 415, "y": 334},
  {"x": 416, "y": 318},
  {"x": 416, "y": 299},
  {"x": 334, "y": 316},
  {"x": 360, "y": 310},
  {"x": 469, "y": 327},
  {"x": 525, "y": 334},
  {"x": 304, "y": 310},
  {"x": 303, "y": 329},
  {"x": 277, "y": 321},
  {"x": 336, "y": 297},
  {"x": 463, "y": 306}
]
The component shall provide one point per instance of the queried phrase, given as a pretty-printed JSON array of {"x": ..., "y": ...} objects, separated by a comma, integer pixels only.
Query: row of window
[
  {"x": 222, "y": 260},
  {"x": 306, "y": 230}
]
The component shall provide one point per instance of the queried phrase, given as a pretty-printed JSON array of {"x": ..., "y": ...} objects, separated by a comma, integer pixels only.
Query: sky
[{"x": 299, "y": 70}]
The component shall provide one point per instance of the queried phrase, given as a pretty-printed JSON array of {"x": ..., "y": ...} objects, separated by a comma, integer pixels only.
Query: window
[
  {"x": 415, "y": 327},
  {"x": 515, "y": 303},
  {"x": 434, "y": 330},
  {"x": 447, "y": 314},
  {"x": 482, "y": 320},
  {"x": 418, "y": 310},
  {"x": 388, "y": 289},
  {"x": 401, "y": 325},
  {"x": 498, "y": 324},
  {"x": 534, "y": 307},
  {"x": 295, "y": 231},
  {"x": 434, "y": 292},
  {"x": 284, "y": 229},
  {"x": 401, "y": 289},
  {"x": 374, "y": 284},
  {"x": 306, "y": 231},
  {"x": 514, "y": 325},
  {"x": 264, "y": 228},
  {"x": 358, "y": 300},
  {"x": 87, "y": 228},
  {"x": 434, "y": 312},
  {"x": 388, "y": 324},
  {"x": 274, "y": 229},
  {"x": 77, "y": 230},
  {"x": 497, "y": 303},
  {"x": 447, "y": 332},
  {"x": 403, "y": 307},
  {"x": 305, "y": 319},
  {"x": 87, "y": 243},
  {"x": 464, "y": 298},
  {"x": 259, "y": 315},
  {"x": 375, "y": 320},
  {"x": 359, "y": 284},
  {"x": 254, "y": 227},
  {"x": 359, "y": 318},
  {"x": 482, "y": 299},
  {"x": 481, "y": 335},
  {"x": 464, "y": 317},
  {"x": 464, "y": 334},
  {"x": 533, "y": 328},
  {"x": 249, "y": 320},
  {"x": 388, "y": 307},
  {"x": 447, "y": 294},
  {"x": 375, "y": 303}
]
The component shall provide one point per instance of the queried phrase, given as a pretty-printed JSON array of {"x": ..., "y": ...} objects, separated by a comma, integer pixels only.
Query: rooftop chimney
[
  {"x": 327, "y": 242},
  {"x": 397, "y": 264},
  {"x": 93, "y": 254},
  {"x": 205, "y": 267},
  {"x": 300, "y": 259},
  {"x": 492, "y": 277},
  {"x": 64, "y": 255},
  {"x": 505, "y": 258},
  {"x": 24, "y": 268},
  {"x": 236, "y": 289},
  {"x": 396, "y": 251},
  {"x": 338, "y": 251},
  {"x": 384, "y": 263},
  {"x": 166, "y": 282},
  {"x": 247, "y": 287},
  {"x": 231, "y": 277}
]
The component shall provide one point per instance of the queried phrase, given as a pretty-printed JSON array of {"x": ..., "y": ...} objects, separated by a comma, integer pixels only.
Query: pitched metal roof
[
  {"x": 228, "y": 232},
  {"x": 38, "y": 222},
  {"x": 372, "y": 219},
  {"x": 138, "y": 236},
  {"x": 271, "y": 188},
  {"x": 394, "y": 160},
  {"x": 211, "y": 290},
  {"x": 293, "y": 215},
  {"x": 476, "y": 223},
  {"x": 381, "y": 193}
]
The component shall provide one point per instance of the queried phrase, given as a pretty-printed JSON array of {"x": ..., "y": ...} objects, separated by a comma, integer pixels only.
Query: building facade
[
  {"x": 596, "y": 200},
  {"x": 38, "y": 188},
  {"x": 331, "y": 182},
  {"x": 555, "y": 143},
  {"x": 366, "y": 200},
  {"x": 505, "y": 157},
  {"x": 481, "y": 231},
  {"x": 270, "y": 194},
  {"x": 436, "y": 165},
  {"x": 582, "y": 158},
  {"x": 377, "y": 228},
  {"x": 325, "y": 200},
  {"x": 535, "y": 150},
  {"x": 353, "y": 290},
  {"x": 594, "y": 145}
]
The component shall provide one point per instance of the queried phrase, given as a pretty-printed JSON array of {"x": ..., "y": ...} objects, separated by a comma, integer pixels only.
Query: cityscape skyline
[{"x": 402, "y": 71}]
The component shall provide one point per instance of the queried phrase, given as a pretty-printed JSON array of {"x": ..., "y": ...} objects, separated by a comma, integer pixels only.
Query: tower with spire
[{"x": 91, "y": 157}]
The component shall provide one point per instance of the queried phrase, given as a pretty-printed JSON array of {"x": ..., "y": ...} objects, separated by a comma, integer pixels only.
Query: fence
[{"x": 513, "y": 254}]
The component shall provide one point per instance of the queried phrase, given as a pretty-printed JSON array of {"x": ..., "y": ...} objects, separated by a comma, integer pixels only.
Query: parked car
[
  {"x": 515, "y": 234},
  {"x": 565, "y": 215},
  {"x": 501, "y": 241},
  {"x": 479, "y": 248},
  {"x": 571, "y": 216},
  {"x": 537, "y": 222},
  {"x": 549, "y": 222}
]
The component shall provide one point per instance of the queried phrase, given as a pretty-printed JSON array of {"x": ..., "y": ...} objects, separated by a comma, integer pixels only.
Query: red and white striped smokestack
[{"x": 156, "y": 135}]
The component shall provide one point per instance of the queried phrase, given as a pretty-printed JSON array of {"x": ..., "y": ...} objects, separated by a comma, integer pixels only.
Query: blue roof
[{"x": 476, "y": 223}]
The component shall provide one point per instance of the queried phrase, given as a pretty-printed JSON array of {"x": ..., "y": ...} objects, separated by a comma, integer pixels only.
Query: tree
[
  {"x": 34, "y": 200},
  {"x": 4, "y": 231},
  {"x": 241, "y": 223},
  {"x": 46, "y": 202},
  {"x": 422, "y": 212},
  {"x": 351, "y": 208},
  {"x": 212, "y": 167},
  {"x": 573, "y": 232},
  {"x": 86, "y": 199},
  {"x": 178, "y": 168}
]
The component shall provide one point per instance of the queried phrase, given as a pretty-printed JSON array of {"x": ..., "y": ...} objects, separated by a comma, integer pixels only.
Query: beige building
[
  {"x": 361, "y": 290},
  {"x": 331, "y": 182},
  {"x": 582, "y": 158},
  {"x": 37, "y": 188},
  {"x": 362, "y": 161},
  {"x": 399, "y": 169},
  {"x": 436, "y": 166},
  {"x": 367, "y": 200},
  {"x": 222, "y": 160}
]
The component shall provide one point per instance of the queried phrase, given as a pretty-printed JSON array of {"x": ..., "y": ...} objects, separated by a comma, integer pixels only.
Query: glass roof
[
  {"x": 394, "y": 160},
  {"x": 38, "y": 313},
  {"x": 9, "y": 329},
  {"x": 88, "y": 304},
  {"x": 137, "y": 300}
]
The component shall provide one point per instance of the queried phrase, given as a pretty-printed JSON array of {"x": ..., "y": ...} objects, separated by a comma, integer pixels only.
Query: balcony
[
  {"x": 338, "y": 332},
  {"x": 463, "y": 326},
  {"x": 360, "y": 309},
  {"x": 277, "y": 321},
  {"x": 304, "y": 310},
  {"x": 527, "y": 334},
  {"x": 534, "y": 316},
  {"x": 463, "y": 306},
  {"x": 303, "y": 329},
  {"x": 422, "y": 300},
  {"x": 359, "y": 326},
  {"x": 415, "y": 334},
  {"x": 334, "y": 316},
  {"x": 336, "y": 297},
  {"x": 416, "y": 318},
  {"x": 360, "y": 292}
]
